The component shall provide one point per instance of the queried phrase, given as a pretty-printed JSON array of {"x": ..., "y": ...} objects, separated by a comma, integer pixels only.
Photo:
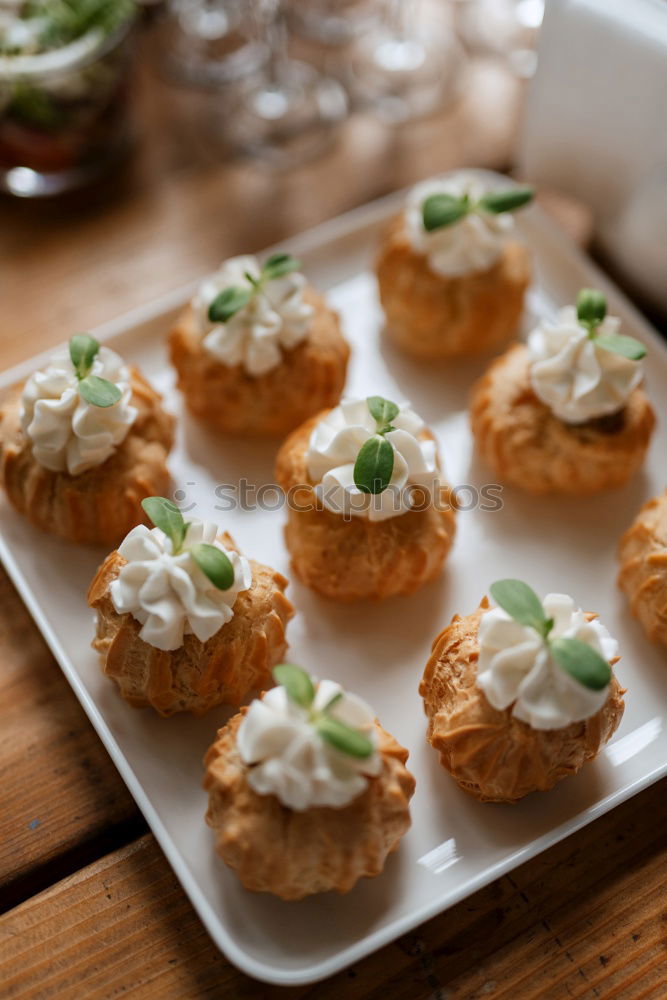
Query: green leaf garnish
[
  {"x": 255, "y": 282},
  {"x": 215, "y": 564},
  {"x": 278, "y": 265},
  {"x": 374, "y": 465},
  {"x": 505, "y": 201},
  {"x": 522, "y": 604},
  {"x": 439, "y": 210},
  {"x": 95, "y": 390},
  {"x": 236, "y": 297},
  {"x": 166, "y": 516},
  {"x": 228, "y": 302},
  {"x": 628, "y": 347},
  {"x": 82, "y": 351},
  {"x": 591, "y": 311},
  {"x": 591, "y": 307},
  {"x": 375, "y": 461},
  {"x": 211, "y": 560},
  {"x": 296, "y": 682},
  {"x": 383, "y": 412},
  {"x": 342, "y": 737},
  {"x": 573, "y": 656},
  {"x": 582, "y": 662},
  {"x": 301, "y": 690},
  {"x": 333, "y": 701},
  {"x": 98, "y": 391}
]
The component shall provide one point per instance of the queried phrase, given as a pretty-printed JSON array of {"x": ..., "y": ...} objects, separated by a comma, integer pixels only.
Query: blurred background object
[
  {"x": 209, "y": 42},
  {"x": 409, "y": 64},
  {"x": 595, "y": 127},
  {"x": 332, "y": 22},
  {"x": 286, "y": 111},
  {"x": 505, "y": 28},
  {"x": 64, "y": 92},
  {"x": 268, "y": 79},
  {"x": 231, "y": 161}
]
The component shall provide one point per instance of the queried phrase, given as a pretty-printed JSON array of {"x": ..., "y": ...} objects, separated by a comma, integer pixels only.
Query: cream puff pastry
[
  {"x": 82, "y": 443},
  {"x": 518, "y": 699},
  {"x": 258, "y": 350},
  {"x": 368, "y": 513},
  {"x": 184, "y": 621},
  {"x": 567, "y": 413},
  {"x": 643, "y": 573},
  {"x": 451, "y": 277},
  {"x": 307, "y": 792}
]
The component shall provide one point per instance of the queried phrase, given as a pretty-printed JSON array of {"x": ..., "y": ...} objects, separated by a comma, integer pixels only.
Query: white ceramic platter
[{"x": 456, "y": 845}]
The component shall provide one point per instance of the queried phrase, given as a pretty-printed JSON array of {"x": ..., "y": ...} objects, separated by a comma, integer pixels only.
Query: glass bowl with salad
[{"x": 64, "y": 92}]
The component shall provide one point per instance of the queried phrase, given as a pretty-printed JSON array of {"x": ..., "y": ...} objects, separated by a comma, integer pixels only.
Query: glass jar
[{"x": 64, "y": 113}]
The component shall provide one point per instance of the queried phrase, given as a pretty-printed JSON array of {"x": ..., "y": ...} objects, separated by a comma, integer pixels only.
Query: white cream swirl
[
  {"x": 333, "y": 449},
  {"x": 169, "y": 594},
  {"x": 516, "y": 668},
  {"x": 474, "y": 243},
  {"x": 577, "y": 379},
  {"x": 275, "y": 319},
  {"x": 68, "y": 434},
  {"x": 289, "y": 759}
]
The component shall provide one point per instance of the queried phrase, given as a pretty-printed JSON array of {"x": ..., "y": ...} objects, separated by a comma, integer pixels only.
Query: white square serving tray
[{"x": 455, "y": 845}]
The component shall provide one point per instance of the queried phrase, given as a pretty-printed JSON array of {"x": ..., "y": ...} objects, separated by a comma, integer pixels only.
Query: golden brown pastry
[
  {"x": 494, "y": 753},
  {"x": 435, "y": 317},
  {"x": 526, "y": 445},
  {"x": 248, "y": 376},
  {"x": 643, "y": 573},
  {"x": 454, "y": 289},
  {"x": 351, "y": 557},
  {"x": 187, "y": 653},
  {"x": 294, "y": 852},
  {"x": 84, "y": 485}
]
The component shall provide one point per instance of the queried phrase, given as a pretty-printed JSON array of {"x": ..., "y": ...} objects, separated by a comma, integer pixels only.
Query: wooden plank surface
[
  {"x": 586, "y": 919},
  {"x": 60, "y": 791}
]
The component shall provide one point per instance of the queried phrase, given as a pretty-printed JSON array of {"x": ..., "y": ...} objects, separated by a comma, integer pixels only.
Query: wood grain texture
[
  {"x": 586, "y": 919},
  {"x": 59, "y": 787}
]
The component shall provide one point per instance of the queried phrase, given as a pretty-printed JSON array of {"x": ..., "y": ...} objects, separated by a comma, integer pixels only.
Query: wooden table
[{"x": 92, "y": 908}]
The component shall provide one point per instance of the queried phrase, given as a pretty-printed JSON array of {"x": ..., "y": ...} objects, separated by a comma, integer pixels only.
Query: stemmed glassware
[
  {"x": 409, "y": 65},
  {"x": 207, "y": 42},
  {"x": 285, "y": 112},
  {"x": 398, "y": 58},
  {"x": 332, "y": 22}
]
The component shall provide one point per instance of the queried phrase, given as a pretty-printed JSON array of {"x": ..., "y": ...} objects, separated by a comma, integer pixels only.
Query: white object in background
[{"x": 595, "y": 126}]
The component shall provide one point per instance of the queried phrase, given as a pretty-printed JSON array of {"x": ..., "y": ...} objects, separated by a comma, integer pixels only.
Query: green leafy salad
[{"x": 36, "y": 26}]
